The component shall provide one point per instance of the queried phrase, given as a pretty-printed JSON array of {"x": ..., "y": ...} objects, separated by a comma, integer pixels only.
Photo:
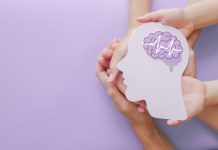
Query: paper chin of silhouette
[{"x": 153, "y": 66}]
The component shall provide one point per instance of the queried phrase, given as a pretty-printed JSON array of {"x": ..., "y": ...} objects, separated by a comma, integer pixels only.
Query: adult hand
[
  {"x": 141, "y": 123},
  {"x": 174, "y": 17}
]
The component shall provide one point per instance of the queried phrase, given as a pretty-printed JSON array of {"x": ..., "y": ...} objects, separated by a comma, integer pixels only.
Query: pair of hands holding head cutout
[{"x": 193, "y": 90}]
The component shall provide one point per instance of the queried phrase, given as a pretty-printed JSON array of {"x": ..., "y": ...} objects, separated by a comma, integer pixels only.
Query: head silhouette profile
[{"x": 152, "y": 69}]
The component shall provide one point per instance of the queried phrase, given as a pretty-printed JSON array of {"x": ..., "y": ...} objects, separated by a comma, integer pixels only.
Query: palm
[
  {"x": 193, "y": 94},
  {"x": 175, "y": 17},
  {"x": 191, "y": 69}
]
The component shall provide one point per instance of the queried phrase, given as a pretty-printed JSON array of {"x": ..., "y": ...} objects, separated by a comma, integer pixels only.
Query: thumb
[
  {"x": 150, "y": 17},
  {"x": 118, "y": 55}
]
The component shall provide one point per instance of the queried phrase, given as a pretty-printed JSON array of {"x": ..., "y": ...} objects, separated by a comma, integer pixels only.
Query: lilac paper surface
[{"x": 50, "y": 98}]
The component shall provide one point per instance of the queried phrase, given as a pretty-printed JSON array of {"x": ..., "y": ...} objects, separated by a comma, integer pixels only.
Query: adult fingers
[
  {"x": 119, "y": 53},
  {"x": 123, "y": 105},
  {"x": 151, "y": 17},
  {"x": 107, "y": 53},
  {"x": 120, "y": 85},
  {"x": 102, "y": 74},
  {"x": 103, "y": 62}
]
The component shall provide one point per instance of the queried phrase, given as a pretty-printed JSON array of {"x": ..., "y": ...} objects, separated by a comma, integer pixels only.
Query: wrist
[
  {"x": 157, "y": 141},
  {"x": 207, "y": 96},
  {"x": 189, "y": 18},
  {"x": 150, "y": 137},
  {"x": 211, "y": 93}
]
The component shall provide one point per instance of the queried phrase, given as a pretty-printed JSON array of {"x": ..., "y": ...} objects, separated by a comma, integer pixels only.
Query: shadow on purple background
[{"x": 50, "y": 98}]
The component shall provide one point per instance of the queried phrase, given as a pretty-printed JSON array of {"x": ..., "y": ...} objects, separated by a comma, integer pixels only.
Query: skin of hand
[
  {"x": 174, "y": 17},
  {"x": 141, "y": 123},
  {"x": 180, "y": 22},
  {"x": 120, "y": 52},
  {"x": 136, "y": 9},
  {"x": 191, "y": 69},
  {"x": 193, "y": 92},
  {"x": 212, "y": 93}
]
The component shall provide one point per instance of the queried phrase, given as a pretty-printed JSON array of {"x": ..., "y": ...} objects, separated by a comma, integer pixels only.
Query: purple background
[{"x": 50, "y": 98}]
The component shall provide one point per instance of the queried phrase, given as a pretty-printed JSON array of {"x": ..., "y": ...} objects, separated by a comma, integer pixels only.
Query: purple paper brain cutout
[{"x": 164, "y": 46}]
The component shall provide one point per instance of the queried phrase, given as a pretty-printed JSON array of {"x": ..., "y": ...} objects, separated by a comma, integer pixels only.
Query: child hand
[{"x": 174, "y": 17}]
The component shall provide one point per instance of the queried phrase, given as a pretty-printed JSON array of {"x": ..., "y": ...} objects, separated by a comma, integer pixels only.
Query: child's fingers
[
  {"x": 114, "y": 45},
  {"x": 103, "y": 62},
  {"x": 150, "y": 17},
  {"x": 117, "y": 56},
  {"x": 107, "y": 53},
  {"x": 109, "y": 46},
  {"x": 101, "y": 74}
]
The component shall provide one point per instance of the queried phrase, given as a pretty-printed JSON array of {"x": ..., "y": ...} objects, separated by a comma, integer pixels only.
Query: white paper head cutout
[{"x": 152, "y": 68}]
